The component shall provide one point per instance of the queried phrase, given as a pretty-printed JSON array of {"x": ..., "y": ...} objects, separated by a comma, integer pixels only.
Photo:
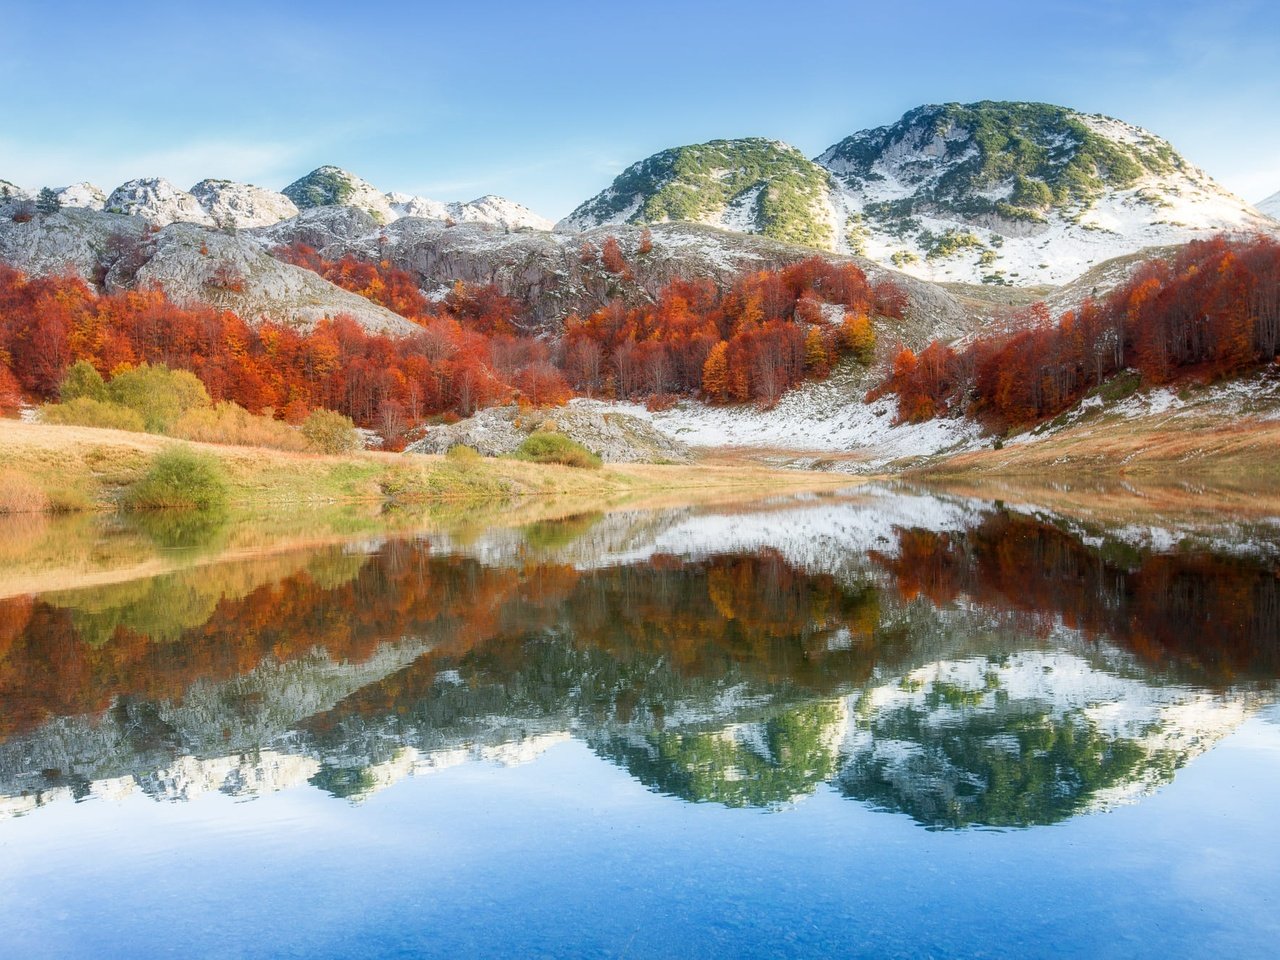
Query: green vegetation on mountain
[
  {"x": 1046, "y": 157},
  {"x": 323, "y": 187},
  {"x": 701, "y": 181}
]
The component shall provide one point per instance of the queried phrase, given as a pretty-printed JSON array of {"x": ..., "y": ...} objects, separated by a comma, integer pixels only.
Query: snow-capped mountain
[
  {"x": 83, "y": 194},
  {"x": 157, "y": 201},
  {"x": 242, "y": 204},
  {"x": 997, "y": 193},
  {"x": 332, "y": 186},
  {"x": 750, "y": 186},
  {"x": 229, "y": 205},
  {"x": 1271, "y": 206}
]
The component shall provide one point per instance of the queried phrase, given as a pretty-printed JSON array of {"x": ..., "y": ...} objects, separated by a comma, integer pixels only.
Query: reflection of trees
[
  {"x": 1010, "y": 767},
  {"x": 1215, "y": 618},
  {"x": 718, "y": 678},
  {"x": 758, "y": 765}
]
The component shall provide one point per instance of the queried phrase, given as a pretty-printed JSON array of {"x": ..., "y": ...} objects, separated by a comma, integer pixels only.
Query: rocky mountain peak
[
  {"x": 157, "y": 201},
  {"x": 84, "y": 194},
  {"x": 332, "y": 186},
  {"x": 232, "y": 204}
]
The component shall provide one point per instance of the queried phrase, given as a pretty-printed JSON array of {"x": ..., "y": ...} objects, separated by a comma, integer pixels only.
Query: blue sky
[{"x": 546, "y": 102}]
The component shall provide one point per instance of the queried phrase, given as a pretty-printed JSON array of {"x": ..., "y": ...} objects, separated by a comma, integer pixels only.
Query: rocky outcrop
[
  {"x": 549, "y": 273},
  {"x": 234, "y": 273},
  {"x": 157, "y": 201},
  {"x": 192, "y": 264},
  {"x": 83, "y": 194},
  {"x": 234, "y": 205},
  {"x": 614, "y": 437}
]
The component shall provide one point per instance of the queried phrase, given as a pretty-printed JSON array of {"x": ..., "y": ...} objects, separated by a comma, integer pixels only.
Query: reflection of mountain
[
  {"x": 958, "y": 665},
  {"x": 1028, "y": 738}
]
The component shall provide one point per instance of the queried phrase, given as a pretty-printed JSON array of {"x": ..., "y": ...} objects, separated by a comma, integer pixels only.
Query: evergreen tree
[{"x": 47, "y": 201}]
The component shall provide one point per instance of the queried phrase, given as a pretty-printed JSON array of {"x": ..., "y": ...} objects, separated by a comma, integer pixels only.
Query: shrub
[
  {"x": 462, "y": 454},
  {"x": 180, "y": 479},
  {"x": 87, "y": 412},
  {"x": 556, "y": 448},
  {"x": 159, "y": 394},
  {"x": 20, "y": 494},
  {"x": 231, "y": 423},
  {"x": 82, "y": 380},
  {"x": 330, "y": 432}
]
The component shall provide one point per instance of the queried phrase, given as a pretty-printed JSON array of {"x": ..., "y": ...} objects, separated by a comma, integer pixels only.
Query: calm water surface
[{"x": 878, "y": 724}]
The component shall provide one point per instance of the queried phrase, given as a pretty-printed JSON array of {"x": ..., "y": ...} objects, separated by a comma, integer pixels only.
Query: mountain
[
  {"x": 157, "y": 201},
  {"x": 242, "y": 204},
  {"x": 82, "y": 194},
  {"x": 750, "y": 186},
  {"x": 190, "y": 262},
  {"x": 332, "y": 186},
  {"x": 229, "y": 205},
  {"x": 991, "y": 192},
  {"x": 547, "y": 273},
  {"x": 1271, "y": 206}
]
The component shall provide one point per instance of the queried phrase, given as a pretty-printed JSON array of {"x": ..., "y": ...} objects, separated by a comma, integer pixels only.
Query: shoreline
[{"x": 87, "y": 469}]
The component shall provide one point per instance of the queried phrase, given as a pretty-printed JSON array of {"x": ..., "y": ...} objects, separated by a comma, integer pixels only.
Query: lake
[{"x": 885, "y": 722}]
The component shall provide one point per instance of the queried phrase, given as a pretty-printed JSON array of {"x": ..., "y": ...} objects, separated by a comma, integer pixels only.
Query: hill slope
[{"x": 752, "y": 186}]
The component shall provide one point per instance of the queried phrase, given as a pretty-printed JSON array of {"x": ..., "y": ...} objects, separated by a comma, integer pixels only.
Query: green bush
[
  {"x": 82, "y": 380},
  {"x": 556, "y": 448},
  {"x": 330, "y": 432},
  {"x": 180, "y": 479},
  {"x": 87, "y": 412},
  {"x": 160, "y": 395}
]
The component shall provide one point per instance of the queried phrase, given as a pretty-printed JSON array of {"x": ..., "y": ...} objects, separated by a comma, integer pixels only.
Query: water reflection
[{"x": 958, "y": 662}]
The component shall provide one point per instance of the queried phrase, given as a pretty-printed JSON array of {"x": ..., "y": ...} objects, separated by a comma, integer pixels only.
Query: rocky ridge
[{"x": 613, "y": 436}]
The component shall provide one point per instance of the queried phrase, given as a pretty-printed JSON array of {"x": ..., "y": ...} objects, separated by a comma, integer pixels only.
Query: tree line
[
  {"x": 750, "y": 341},
  {"x": 1210, "y": 311}
]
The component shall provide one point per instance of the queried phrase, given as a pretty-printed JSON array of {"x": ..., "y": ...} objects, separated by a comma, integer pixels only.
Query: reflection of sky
[{"x": 569, "y": 856}]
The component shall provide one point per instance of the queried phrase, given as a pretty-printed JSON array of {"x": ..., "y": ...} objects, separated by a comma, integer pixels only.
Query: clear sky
[{"x": 544, "y": 102}]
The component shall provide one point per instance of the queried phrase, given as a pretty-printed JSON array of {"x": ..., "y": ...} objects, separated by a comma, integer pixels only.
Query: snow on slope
[
  {"x": 157, "y": 201},
  {"x": 242, "y": 204},
  {"x": 83, "y": 194},
  {"x": 1271, "y": 206},
  {"x": 1001, "y": 193},
  {"x": 821, "y": 418}
]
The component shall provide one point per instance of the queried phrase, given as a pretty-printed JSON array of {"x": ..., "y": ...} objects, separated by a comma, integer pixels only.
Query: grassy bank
[
  {"x": 1155, "y": 449},
  {"x": 88, "y": 469}
]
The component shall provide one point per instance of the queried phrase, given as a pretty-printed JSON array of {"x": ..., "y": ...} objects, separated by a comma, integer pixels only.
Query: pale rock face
[
  {"x": 499, "y": 212},
  {"x": 157, "y": 201},
  {"x": 242, "y": 204},
  {"x": 489, "y": 209},
  {"x": 235, "y": 273},
  {"x": 84, "y": 195},
  {"x": 408, "y": 205}
]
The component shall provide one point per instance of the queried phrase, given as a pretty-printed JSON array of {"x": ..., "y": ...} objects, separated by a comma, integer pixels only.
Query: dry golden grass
[
  {"x": 229, "y": 424},
  {"x": 1151, "y": 448},
  {"x": 95, "y": 466},
  {"x": 19, "y": 493}
]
